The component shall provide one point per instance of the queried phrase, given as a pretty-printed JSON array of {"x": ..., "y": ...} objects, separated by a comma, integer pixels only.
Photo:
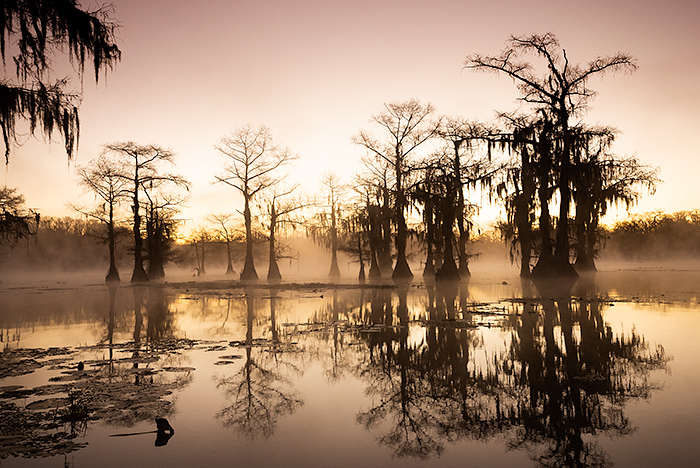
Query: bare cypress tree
[
  {"x": 251, "y": 165},
  {"x": 226, "y": 233},
  {"x": 102, "y": 177},
  {"x": 278, "y": 208}
]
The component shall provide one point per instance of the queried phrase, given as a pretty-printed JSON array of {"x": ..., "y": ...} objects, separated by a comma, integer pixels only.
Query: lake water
[{"x": 493, "y": 372}]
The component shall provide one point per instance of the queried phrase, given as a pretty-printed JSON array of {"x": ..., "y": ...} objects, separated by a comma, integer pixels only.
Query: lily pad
[
  {"x": 48, "y": 403},
  {"x": 178, "y": 369}
]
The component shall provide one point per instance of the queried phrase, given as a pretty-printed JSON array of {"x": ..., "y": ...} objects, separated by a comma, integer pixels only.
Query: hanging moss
[{"x": 41, "y": 28}]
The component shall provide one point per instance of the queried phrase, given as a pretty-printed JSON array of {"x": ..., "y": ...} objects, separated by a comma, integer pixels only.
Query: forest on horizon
[{"x": 77, "y": 244}]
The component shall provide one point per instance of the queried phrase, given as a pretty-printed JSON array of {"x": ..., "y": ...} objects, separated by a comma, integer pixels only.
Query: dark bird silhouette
[{"x": 164, "y": 431}]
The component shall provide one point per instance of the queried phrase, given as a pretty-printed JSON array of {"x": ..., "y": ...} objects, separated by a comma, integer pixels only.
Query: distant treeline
[
  {"x": 64, "y": 244},
  {"x": 77, "y": 244},
  {"x": 655, "y": 236}
]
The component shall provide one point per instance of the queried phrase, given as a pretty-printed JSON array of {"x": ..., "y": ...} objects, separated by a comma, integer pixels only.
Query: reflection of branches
[
  {"x": 560, "y": 377},
  {"x": 259, "y": 391},
  {"x": 414, "y": 422},
  {"x": 393, "y": 375},
  {"x": 260, "y": 396}
]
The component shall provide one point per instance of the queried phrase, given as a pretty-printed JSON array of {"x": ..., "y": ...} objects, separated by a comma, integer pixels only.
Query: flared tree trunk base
[
  {"x": 139, "y": 275},
  {"x": 448, "y": 272},
  {"x": 551, "y": 268},
  {"x": 402, "y": 272},
  {"x": 464, "y": 272},
  {"x": 374, "y": 272},
  {"x": 429, "y": 271},
  {"x": 273, "y": 273},
  {"x": 112, "y": 276},
  {"x": 249, "y": 273},
  {"x": 361, "y": 276},
  {"x": 334, "y": 272},
  {"x": 585, "y": 264}
]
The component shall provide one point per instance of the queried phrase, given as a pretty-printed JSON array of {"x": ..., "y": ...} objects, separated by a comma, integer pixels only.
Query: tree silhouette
[
  {"x": 465, "y": 170},
  {"x": 199, "y": 240},
  {"x": 562, "y": 93},
  {"x": 140, "y": 170},
  {"x": 375, "y": 215},
  {"x": 334, "y": 190},
  {"x": 602, "y": 179},
  {"x": 251, "y": 165},
  {"x": 161, "y": 224},
  {"x": 227, "y": 234},
  {"x": 40, "y": 29},
  {"x": 406, "y": 126},
  {"x": 278, "y": 208},
  {"x": 16, "y": 222},
  {"x": 103, "y": 178}
]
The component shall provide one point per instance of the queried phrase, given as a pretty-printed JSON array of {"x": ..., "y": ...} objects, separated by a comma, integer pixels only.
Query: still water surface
[{"x": 486, "y": 373}]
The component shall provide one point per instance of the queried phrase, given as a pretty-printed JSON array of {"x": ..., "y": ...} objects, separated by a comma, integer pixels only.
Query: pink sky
[{"x": 316, "y": 71}]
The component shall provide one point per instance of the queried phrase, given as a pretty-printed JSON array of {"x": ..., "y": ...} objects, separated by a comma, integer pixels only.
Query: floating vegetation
[
  {"x": 16, "y": 362},
  {"x": 119, "y": 392}
]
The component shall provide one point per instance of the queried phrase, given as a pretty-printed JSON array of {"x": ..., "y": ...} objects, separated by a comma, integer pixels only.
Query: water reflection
[
  {"x": 129, "y": 385},
  {"x": 559, "y": 376},
  {"x": 542, "y": 371},
  {"x": 262, "y": 390}
]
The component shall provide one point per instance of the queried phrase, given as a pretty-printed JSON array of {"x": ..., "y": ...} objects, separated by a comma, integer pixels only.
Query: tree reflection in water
[
  {"x": 261, "y": 391},
  {"x": 562, "y": 375},
  {"x": 112, "y": 389}
]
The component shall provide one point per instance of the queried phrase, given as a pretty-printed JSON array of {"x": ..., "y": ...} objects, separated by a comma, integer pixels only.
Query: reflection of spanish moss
[{"x": 561, "y": 377}]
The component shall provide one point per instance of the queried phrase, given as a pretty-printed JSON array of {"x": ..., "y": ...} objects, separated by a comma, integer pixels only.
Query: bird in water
[
  {"x": 163, "y": 425},
  {"x": 164, "y": 431}
]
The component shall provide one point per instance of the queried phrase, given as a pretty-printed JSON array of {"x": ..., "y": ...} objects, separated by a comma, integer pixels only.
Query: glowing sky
[{"x": 316, "y": 71}]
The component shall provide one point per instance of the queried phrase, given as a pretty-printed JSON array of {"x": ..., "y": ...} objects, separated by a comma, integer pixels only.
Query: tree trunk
[
  {"x": 139, "y": 275},
  {"x": 248, "y": 273},
  {"x": 429, "y": 270},
  {"x": 448, "y": 271},
  {"x": 585, "y": 234},
  {"x": 545, "y": 264},
  {"x": 522, "y": 223},
  {"x": 334, "y": 272},
  {"x": 202, "y": 268},
  {"x": 229, "y": 265},
  {"x": 156, "y": 246},
  {"x": 561, "y": 252},
  {"x": 273, "y": 271},
  {"x": 113, "y": 274},
  {"x": 461, "y": 224},
  {"x": 401, "y": 271},
  {"x": 374, "y": 271}
]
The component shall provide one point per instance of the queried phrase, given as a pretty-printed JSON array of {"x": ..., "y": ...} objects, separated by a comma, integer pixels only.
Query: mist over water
[{"x": 503, "y": 371}]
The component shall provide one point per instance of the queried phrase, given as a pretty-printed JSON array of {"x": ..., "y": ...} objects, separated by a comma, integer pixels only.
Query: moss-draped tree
[
  {"x": 33, "y": 32},
  {"x": 560, "y": 91},
  {"x": 140, "y": 170},
  {"x": 16, "y": 221},
  {"x": 406, "y": 126}
]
